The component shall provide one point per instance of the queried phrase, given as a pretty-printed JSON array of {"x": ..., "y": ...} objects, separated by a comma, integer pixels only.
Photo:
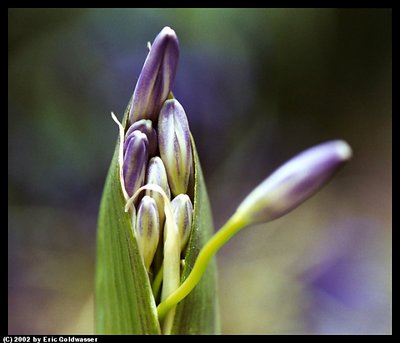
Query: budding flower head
[
  {"x": 182, "y": 210},
  {"x": 135, "y": 161},
  {"x": 145, "y": 126},
  {"x": 156, "y": 77},
  {"x": 156, "y": 174},
  {"x": 147, "y": 229},
  {"x": 174, "y": 144},
  {"x": 294, "y": 182}
]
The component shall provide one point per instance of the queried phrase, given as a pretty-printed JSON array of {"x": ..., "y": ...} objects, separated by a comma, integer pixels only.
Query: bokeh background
[{"x": 258, "y": 86}]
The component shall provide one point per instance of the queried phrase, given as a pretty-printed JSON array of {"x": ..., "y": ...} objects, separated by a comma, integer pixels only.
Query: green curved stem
[
  {"x": 232, "y": 226},
  {"x": 157, "y": 281}
]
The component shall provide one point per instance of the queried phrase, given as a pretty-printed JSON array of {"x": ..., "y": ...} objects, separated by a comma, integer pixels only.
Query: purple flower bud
[
  {"x": 145, "y": 126},
  {"x": 156, "y": 174},
  {"x": 174, "y": 144},
  {"x": 182, "y": 209},
  {"x": 147, "y": 229},
  {"x": 135, "y": 162},
  {"x": 156, "y": 77},
  {"x": 294, "y": 182}
]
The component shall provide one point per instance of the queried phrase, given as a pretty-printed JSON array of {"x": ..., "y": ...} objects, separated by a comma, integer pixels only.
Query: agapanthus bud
[
  {"x": 156, "y": 77},
  {"x": 174, "y": 144},
  {"x": 182, "y": 210},
  {"x": 156, "y": 174},
  {"x": 145, "y": 126},
  {"x": 135, "y": 162},
  {"x": 294, "y": 182},
  {"x": 147, "y": 229}
]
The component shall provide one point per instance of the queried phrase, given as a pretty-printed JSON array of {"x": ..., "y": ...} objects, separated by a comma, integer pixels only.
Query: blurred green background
[{"x": 258, "y": 86}]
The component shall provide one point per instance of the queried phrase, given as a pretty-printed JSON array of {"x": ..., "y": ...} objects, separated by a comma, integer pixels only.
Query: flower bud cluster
[
  {"x": 157, "y": 151},
  {"x": 156, "y": 157}
]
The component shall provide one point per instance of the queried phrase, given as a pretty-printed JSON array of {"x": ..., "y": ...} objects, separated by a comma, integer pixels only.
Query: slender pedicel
[
  {"x": 156, "y": 77},
  {"x": 174, "y": 144}
]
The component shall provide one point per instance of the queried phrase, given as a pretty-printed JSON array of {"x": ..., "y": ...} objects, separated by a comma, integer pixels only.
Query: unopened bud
[
  {"x": 145, "y": 126},
  {"x": 182, "y": 210},
  {"x": 156, "y": 77},
  {"x": 294, "y": 182},
  {"x": 135, "y": 162},
  {"x": 147, "y": 229},
  {"x": 174, "y": 144},
  {"x": 156, "y": 174}
]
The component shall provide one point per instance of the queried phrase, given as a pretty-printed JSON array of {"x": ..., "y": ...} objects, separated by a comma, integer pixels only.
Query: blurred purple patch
[{"x": 348, "y": 286}]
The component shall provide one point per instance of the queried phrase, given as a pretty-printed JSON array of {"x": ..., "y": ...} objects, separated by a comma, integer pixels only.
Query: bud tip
[
  {"x": 167, "y": 31},
  {"x": 344, "y": 150}
]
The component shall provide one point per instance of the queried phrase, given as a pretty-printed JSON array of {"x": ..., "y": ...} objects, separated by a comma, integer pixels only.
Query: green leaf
[
  {"x": 198, "y": 313},
  {"x": 124, "y": 300}
]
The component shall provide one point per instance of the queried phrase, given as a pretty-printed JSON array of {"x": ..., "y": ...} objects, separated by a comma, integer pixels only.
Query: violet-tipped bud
[
  {"x": 145, "y": 126},
  {"x": 174, "y": 145},
  {"x": 156, "y": 174},
  {"x": 294, "y": 182},
  {"x": 135, "y": 162},
  {"x": 182, "y": 210},
  {"x": 147, "y": 229},
  {"x": 156, "y": 77}
]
